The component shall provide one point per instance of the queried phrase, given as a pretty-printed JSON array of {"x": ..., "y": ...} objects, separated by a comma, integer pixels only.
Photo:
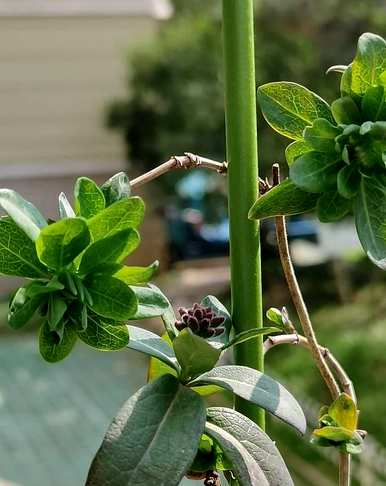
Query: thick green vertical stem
[{"x": 241, "y": 133}]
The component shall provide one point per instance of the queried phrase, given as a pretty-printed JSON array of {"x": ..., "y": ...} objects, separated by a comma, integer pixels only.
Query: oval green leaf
[
  {"x": 315, "y": 171},
  {"x": 153, "y": 439},
  {"x": 332, "y": 207},
  {"x": 54, "y": 348},
  {"x": 104, "y": 334},
  {"x": 370, "y": 218},
  {"x": 255, "y": 441},
  {"x": 65, "y": 209},
  {"x": 89, "y": 199},
  {"x": 194, "y": 354},
  {"x": 18, "y": 255},
  {"x": 246, "y": 469},
  {"x": 111, "y": 298},
  {"x": 124, "y": 214},
  {"x": 61, "y": 242},
  {"x": 289, "y": 108},
  {"x": 111, "y": 249},
  {"x": 257, "y": 388},
  {"x": 284, "y": 199},
  {"x": 369, "y": 63},
  {"x": 294, "y": 149}
]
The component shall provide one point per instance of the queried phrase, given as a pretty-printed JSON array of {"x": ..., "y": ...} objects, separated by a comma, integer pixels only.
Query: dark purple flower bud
[
  {"x": 193, "y": 324},
  {"x": 186, "y": 318},
  {"x": 198, "y": 314},
  {"x": 180, "y": 325},
  {"x": 182, "y": 311},
  {"x": 217, "y": 321}
]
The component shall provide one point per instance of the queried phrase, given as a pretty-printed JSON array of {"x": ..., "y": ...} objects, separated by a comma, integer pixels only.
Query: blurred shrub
[{"x": 175, "y": 91}]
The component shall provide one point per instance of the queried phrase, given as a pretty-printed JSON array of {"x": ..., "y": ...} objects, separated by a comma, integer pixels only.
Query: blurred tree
[{"x": 175, "y": 90}]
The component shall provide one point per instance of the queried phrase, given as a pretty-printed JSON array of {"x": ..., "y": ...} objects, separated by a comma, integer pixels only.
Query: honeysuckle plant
[
  {"x": 79, "y": 286},
  {"x": 78, "y": 283},
  {"x": 337, "y": 161}
]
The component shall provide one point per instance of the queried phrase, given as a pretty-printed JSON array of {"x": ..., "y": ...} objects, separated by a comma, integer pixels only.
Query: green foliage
[
  {"x": 346, "y": 163},
  {"x": 80, "y": 286},
  {"x": 337, "y": 426},
  {"x": 153, "y": 439},
  {"x": 256, "y": 443},
  {"x": 259, "y": 389}
]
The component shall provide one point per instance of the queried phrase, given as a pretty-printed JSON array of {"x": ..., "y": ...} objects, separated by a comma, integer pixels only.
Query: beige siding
[{"x": 56, "y": 76}]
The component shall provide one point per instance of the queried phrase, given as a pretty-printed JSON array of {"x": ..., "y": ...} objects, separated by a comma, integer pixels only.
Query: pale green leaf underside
[
  {"x": 258, "y": 388},
  {"x": 153, "y": 439},
  {"x": 255, "y": 441},
  {"x": 151, "y": 344},
  {"x": 24, "y": 213}
]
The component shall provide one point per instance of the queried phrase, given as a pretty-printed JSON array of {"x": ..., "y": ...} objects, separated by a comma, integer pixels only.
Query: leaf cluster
[
  {"x": 337, "y": 160},
  {"x": 78, "y": 282},
  {"x": 182, "y": 370},
  {"x": 338, "y": 426}
]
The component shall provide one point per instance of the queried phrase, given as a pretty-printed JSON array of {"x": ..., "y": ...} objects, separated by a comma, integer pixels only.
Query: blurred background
[{"x": 92, "y": 87}]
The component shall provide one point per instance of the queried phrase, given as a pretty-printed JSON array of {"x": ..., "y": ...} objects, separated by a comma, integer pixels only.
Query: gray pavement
[{"x": 53, "y": 417}]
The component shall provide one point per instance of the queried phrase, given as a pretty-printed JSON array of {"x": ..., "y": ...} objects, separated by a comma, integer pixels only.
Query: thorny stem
[
  {"x": 186, "y": 161},
  {"x": 305, "y": 321}
]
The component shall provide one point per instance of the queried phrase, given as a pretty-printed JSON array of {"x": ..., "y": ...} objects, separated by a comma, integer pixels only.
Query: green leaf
[
  {"x": 23, "y": 213},
  {"x": 275, "y": 316},
  {"x": 348, "y": 181},
  {"x": 89, "y": 199},
  {"x": 294, "y": 149},
  {"x": 321, "y": 135},
  {"x": 129, "y": 275},
  {"x": 373, "y": 104},
  {"x": 220, "y": 310},
  {"x": 153, "y": 439},
  {"x": 246, "y": 469},
  {"x": 258, "y": 388},
  {"x": 65, "y": 209},
  {"x": 56, "y": 310},
  {"x": 169, "y": 320},
  {"x": 17, "y": 252},
  {"x": 344, "y": 411},
  {"x": 151, "y": 344},
  {"x": 315, "y": 171},
  {"x": 111, "y": 298},
  {"x": 285, "y": 199},
  {"x": 194, "y": 354},
  {"x": 111, "y": 249},
  {"x": 370, "y": 218},
  {"x": 256, "y": 442},
  {"x": 346, "y": 111},
  {"x": 104, "y": 334},
  {"x": 52, "y": 347},
  {"x": 61, "y": 242},
  {"x": 116, "y": 188},
  {"x": 332, "y": 206},
  {"x": 369, "y": 63},
  {"x": 124, "y": 214},
  {"x": 289, "y": 108},
  {"x": 151, "y": 302},
  {"x": 36, "y": 288},
  {"x": 336, "y": 434},
  {"x": 22, "y": 308},
  {"x": 244, "y": 336}
]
